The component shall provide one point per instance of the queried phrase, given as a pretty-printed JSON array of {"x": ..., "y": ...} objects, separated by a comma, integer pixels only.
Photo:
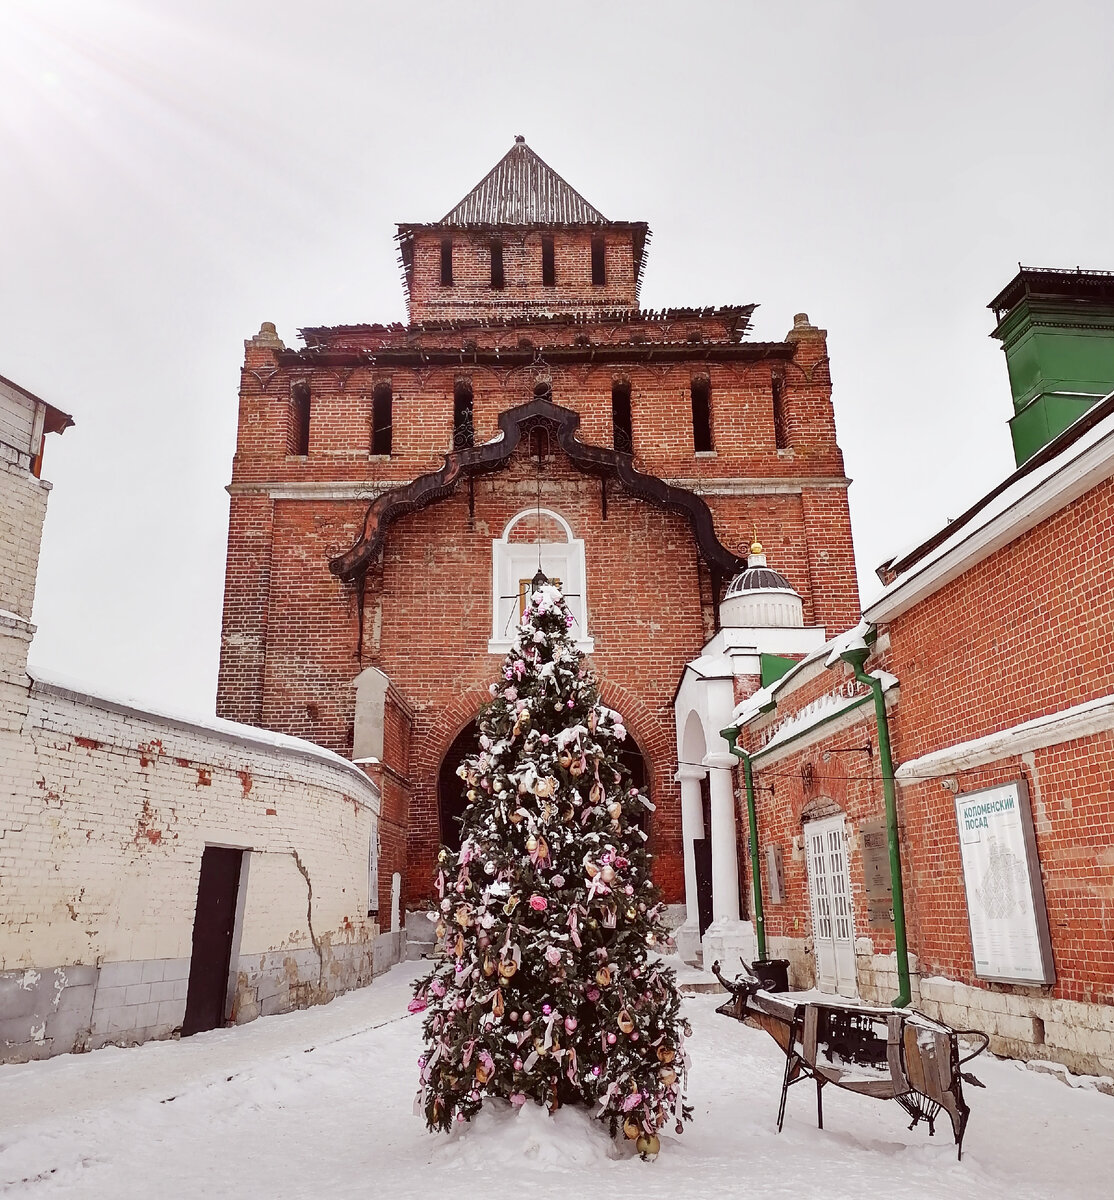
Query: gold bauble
[
  {"x": 665, "y": 1054},
  {"x": 443, "y": 856},
  {"x": 565, "y": 759},
  {"x": 607, "y": 872},
  {"x": 668, "y": 1076},
  {"x": 590, "y": 868},
  {"x": 625, "y": 1021},
  {"x": 507, "y": 968},
  {"x": 632, "y": 1129},
  {"x": 531, "y": 843},
  {"x": 603, "y": 976},
  {"x": 489, "y": 967},
  {"x": 614, "y": 810},
  {"x": 440, "y": 929},
  {"x": 631, "y": 914},
  {"x": 481, "y": 1074},
  {"x": 648, "y": 1145}
]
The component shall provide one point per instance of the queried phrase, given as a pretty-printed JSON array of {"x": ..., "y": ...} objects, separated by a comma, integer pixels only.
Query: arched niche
[
  {"x": 533, "y": 538},
  {"x": 451, "y": 789}
]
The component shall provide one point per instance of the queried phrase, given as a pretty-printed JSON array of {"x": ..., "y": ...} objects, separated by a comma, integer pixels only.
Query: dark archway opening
[
  {"x": 452, "y": 799},
  {"x": 451, "y": 789}
]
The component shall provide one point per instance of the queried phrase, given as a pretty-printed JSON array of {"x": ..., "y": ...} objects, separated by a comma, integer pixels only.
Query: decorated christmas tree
[{"x": 547, "y": 986}]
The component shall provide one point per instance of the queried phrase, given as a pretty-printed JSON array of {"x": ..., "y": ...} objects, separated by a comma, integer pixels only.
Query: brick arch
[
  {"x": 818, "y": 808},
  {"x": 447, "y": 724},
  {"x": 655, "y": 735},
  {"x": 649, "y": 731}
]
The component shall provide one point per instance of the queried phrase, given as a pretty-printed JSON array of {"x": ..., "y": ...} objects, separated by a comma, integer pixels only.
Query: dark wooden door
[
  {"x": 212, "y": 939},
  {"x": 702, "y": 853}
]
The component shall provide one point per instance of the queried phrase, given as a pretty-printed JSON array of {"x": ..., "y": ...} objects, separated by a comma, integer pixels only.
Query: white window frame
[{"x": 513, "y": 561}]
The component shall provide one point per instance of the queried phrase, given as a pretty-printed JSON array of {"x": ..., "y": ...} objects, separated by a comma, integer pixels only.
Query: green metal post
[
  {"x": 731, "y": 734},
  {"x": 857, "y": 658}
]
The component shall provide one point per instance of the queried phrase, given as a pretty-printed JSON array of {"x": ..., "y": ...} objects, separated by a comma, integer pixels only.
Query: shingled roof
[{"x": 521, "y": 189}]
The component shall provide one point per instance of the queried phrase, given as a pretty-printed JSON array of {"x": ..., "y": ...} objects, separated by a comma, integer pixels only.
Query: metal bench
[{"x": 884, "y": 1053}]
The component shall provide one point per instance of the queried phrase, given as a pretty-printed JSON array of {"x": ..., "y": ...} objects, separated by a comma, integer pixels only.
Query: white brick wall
[
  {"x": 22, "y": 511},
  {"x": 118, "y": 812},
  {"x": 100, "y": 856},
  {"x": 105, "y": 812}
]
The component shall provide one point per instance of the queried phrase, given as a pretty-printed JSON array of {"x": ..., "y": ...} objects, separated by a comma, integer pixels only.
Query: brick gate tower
[{"x": 394, "y": 485}]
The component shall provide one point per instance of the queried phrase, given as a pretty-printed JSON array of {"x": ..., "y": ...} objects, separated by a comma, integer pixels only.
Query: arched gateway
[
  {"x": 451, "y": 799},
  {"x": 380, "y": 469}
]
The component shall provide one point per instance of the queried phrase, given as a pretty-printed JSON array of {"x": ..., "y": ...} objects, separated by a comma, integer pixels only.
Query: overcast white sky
[{"x": 176, "y": 173}]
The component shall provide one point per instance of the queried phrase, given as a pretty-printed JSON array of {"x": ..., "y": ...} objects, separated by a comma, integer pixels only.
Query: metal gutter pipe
[
  {"x": 856, "y": 658},
  {"x": 731, "y": 734}
]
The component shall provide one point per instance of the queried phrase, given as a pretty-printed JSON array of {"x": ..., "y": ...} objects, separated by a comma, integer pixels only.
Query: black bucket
[{"x": 774, "y": 973}]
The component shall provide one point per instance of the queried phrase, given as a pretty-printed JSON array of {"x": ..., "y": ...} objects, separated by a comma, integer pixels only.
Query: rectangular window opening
[
  {"x": 622, "y": 433},
  {"x": 446, "y": 262},
  {"x": 297, "y": 434},
  {"x": 599, "y": 264},
  {"x": 701, "y": 414},
  {"x": 464, "y": 429},
  {"x": 549, "y": 268},
  {"x": 382, "y": 403},
  {"x": 781, "y": 426},
  {"x": 498, "y": 279}
]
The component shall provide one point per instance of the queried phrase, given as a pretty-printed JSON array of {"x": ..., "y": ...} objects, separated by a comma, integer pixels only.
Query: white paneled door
[{"x": 829, "y": 886}]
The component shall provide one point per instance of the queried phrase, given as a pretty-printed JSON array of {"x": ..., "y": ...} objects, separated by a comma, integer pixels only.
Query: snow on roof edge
[
  {"x": 750, "y": 707},
  {"x": 231, "y": 730},
  {"x": 1027, "y": 484}
]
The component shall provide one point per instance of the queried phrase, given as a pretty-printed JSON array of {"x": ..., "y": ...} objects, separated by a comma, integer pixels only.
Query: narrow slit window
[
  {"x": 781, "y": 427},
  {"x": 498, "y": 279},
  {"x": 540, "y": 446},
  {"x": 622, "y": 437},
  {"x": 464, "y": 429},
  {"x": 599, "y": 263},
  {"x": 446, "y": 262},
  {"x": 382, "y": 405},
  {"x": 549, "y": 267},
  {"x": 701, "y": 414},
  {"x": 297, "y": 436}
]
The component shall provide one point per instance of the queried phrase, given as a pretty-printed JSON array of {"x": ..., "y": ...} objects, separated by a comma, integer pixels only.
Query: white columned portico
[
  {"x": 692, "y": 829},
  {"x": 725, "y": 858}
]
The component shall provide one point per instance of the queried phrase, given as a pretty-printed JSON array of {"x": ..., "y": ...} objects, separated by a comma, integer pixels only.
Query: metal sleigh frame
[{"x": 885, "y": 1053}]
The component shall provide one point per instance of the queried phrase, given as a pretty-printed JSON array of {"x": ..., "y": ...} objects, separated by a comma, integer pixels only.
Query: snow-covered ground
[{"x": 320, "y": 1103}]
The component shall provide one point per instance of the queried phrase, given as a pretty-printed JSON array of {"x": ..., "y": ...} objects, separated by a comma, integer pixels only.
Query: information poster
[{"x": 1005, "y": 896}]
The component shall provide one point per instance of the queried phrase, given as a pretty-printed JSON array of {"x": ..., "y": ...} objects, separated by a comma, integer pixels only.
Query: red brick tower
[{"x": 393, "y": 484}]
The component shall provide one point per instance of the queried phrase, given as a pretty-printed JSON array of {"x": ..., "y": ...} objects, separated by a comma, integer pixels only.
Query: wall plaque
[
  {"x": 1010, "y": 938},
  {"x": 877, "y": 885}
]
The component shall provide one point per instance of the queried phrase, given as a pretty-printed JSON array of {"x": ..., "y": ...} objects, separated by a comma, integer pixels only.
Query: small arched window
[
  {"x": 622, "y": 431},
  {"x": 701, "y": 392},
  {"x": 532, "y": 538},
  {"x": 464, "y": 430},
  {"x": 382, "y": 418},
  {"x": 297, "y": 433}
]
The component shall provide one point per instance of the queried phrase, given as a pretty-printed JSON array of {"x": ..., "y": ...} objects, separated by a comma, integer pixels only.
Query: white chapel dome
[{"x": 760, "y": 597}]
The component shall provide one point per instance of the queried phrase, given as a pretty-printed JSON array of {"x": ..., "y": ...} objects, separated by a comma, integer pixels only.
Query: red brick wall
[
  {"x": 1018, "y": 636},
  {"x": 838, "y": 774},
  {"x": 291, "y": 628},
  {"x": 522, "y": 266}
]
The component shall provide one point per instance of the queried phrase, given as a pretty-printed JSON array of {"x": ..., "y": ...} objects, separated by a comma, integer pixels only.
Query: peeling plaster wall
[{"x": 100, "y": 856}]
